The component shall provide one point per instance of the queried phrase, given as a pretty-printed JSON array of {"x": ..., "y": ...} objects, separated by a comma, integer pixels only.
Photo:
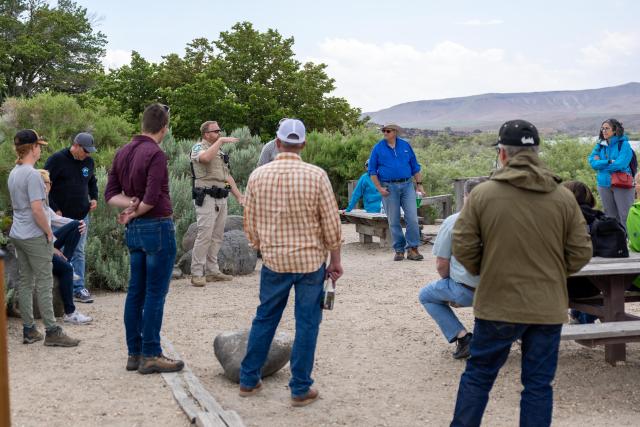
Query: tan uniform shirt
[
  {"x": 208, "y": 174},
  {"x": 291, "y": 215}
]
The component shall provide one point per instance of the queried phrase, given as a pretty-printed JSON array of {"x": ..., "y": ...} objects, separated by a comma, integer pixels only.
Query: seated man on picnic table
[
  {"x": 367, "y": 191},
  {"x": 456, "y": 286}
]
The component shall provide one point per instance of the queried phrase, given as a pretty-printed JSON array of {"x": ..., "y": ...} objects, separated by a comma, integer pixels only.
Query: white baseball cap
[{"x": 292, "y": 131}]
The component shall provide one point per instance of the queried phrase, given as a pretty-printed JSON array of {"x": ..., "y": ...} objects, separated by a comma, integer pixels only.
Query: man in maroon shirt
[{"x": 139, "y": 182}]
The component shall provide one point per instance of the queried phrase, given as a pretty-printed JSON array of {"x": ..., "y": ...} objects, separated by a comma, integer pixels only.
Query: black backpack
[
  {"x": 608, "y": 238},
  {"x": 633, "y": 164}
]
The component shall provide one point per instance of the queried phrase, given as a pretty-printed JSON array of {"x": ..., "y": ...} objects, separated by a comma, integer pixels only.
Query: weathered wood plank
[
  {"x": 233, "y": 419},
  {"x": 601, "y": 330},
  {"x": 178, "y": 389},
  {"x": 608, "y": 269},
  {"x": 207, "y": 419}
]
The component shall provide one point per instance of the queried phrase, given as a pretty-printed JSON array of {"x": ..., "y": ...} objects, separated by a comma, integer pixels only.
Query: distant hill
[{"x": 572, "y": 111}]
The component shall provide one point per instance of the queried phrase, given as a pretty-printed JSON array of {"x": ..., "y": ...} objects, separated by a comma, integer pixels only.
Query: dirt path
[{"x": 380, "y": 361}]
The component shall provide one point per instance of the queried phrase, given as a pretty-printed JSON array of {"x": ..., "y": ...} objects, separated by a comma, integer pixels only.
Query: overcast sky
[{"x": 382, "y": 55}]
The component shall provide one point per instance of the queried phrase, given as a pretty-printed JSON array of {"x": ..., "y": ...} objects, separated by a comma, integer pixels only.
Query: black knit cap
[{"x": 519, "y": 133}]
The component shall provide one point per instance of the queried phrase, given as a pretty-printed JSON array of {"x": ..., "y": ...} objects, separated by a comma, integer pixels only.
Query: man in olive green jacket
[{"x": 523, "y": 233}]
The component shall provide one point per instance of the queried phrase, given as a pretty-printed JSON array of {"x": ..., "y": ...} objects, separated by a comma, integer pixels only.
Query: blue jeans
[
  {"x": 490, "y": 348},
  {"x": 435, "y": 298},
  {"x": 64, "y": 272},
  {"x": 77, "y": 260},
  {"x": 274, "y": 293},
  {"x": 402, "y": 195},
  {"x": 152, "y": 251},
  {"x": 67, "y": 238}
]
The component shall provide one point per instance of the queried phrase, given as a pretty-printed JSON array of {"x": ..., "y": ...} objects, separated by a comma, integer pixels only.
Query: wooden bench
[
  {"x": 602, "y": 333},
  {"x": 369, "y": 225},
  {"x": 444, "y": 203}
]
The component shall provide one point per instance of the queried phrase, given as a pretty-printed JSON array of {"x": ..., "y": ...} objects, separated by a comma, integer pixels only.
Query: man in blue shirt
[
  {"x": 456, "y": 285},
  {"x": 392, "y": 164},
  {"x": 371, "y": 198}
]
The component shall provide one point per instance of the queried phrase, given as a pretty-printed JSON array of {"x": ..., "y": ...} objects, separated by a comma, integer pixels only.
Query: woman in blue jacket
[
  {"x": 367, "y": 190},
  {"x": 611, "y": 154}
]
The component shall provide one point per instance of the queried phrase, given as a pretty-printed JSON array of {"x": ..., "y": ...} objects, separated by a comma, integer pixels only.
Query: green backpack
[{"x": 633, "y": 227}]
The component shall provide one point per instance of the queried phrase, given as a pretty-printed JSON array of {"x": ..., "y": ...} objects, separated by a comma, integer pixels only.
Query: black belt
[
  {"x": 471, "y": 288},
  {"x": 397, "y": 181}
]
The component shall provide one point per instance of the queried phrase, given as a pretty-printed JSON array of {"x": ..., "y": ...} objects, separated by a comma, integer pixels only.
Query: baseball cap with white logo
[
  {"x": 518, "y": 133},
  {"x": 292, "y": 131}
]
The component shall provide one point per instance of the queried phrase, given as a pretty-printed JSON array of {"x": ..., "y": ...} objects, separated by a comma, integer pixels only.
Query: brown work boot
[
  {"x": 311, "y": 396},
  {"x": 31, "y": 335},
  {"x": 250, "y": 391},
  {"x": 198, "y": 281},
  {"x": 57, "y": 338},
  {"x": 399, "y": 256},
  {"x": 218, "y": 277},
  {"x": 414, "y": 255},
  {"x": 161, "y": 363},
  {"x": 133, "y": 361}
]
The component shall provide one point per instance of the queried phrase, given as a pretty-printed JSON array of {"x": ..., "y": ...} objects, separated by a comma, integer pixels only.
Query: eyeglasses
[
  {"x": 387, "y": 130},
  {"x": 605, "y": 129},
  {"x": 214, "y": 131}
]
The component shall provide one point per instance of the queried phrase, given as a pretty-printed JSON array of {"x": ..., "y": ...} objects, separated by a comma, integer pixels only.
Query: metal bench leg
[{"x": 613, "y": 298}]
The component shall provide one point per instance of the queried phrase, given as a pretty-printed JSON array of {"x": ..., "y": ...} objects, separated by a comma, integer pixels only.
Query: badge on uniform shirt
[{"x": 85, "y": 171}]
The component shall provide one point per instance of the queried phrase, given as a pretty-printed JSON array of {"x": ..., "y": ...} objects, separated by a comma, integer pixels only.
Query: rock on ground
[
  {"x": 233, "y": 222},
  {"x": 230, "y": 348},
  {"x": 236, "y": 257}
]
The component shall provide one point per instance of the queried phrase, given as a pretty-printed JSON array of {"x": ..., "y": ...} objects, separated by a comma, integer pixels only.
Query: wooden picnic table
[{"x": 612, "y": 276}]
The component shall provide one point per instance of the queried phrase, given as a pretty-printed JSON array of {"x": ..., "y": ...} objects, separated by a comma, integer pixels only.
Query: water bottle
[{"x": 329, "y": 295}]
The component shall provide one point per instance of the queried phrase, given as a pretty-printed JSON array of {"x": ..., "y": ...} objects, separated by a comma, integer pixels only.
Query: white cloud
[
  {"x": 480, "y": 23},
  {"x": 375, "y": 76},
  {"x": 115, "y": 58},
  {"x": 612, "y": 47}
]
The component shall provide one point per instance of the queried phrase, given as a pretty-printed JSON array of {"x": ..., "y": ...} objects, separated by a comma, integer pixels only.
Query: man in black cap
[
  {"x": 528, "y": 234},
  {"x": 74, "y": 193}
]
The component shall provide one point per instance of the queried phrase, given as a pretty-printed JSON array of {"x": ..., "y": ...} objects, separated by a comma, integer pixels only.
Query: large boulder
[
  {"x": 11, "y": 279},
  {"x": 189, "y": 237},
  {"x": 233, "y": 222},
  {"x": 236, "y": 257},
  {"x": 184, "y": 263},
  {"x": 58, "y": 306},
  {"x": 230, "y": 348}
]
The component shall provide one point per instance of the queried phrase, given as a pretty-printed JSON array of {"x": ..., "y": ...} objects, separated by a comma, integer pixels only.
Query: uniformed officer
[{"x": 211, "y": 185}]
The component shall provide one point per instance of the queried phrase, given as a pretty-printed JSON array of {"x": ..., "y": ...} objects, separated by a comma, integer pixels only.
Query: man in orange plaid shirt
[{"x": 291, "y": 216}]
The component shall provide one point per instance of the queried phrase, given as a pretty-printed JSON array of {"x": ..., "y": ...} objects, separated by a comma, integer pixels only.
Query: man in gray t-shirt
[
  {"x": 270, "y": 150},
  {"x": 32, "y": 238}
]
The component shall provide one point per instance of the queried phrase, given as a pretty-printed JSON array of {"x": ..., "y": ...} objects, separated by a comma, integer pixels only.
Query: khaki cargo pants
[
  {"x": 35, "y": 272},
  {"x": 210, "y": 222}
]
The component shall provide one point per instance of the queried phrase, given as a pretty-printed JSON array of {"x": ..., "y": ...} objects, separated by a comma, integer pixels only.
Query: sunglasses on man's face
[
  {"x": 214, "y": 131},
  {"x": 387, "y": 130}
]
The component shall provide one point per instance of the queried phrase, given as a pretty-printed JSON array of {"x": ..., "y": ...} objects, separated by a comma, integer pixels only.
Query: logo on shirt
[{"x": 85, "y": 171}]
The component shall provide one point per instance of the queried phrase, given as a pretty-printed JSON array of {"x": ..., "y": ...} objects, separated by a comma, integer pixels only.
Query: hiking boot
[
  {"x": 414, "y": 255},
  {"x": 198, "y": 281},
  {"x": 30, "y": 335},
  {"x": 133, "y": 362},
  {"x": 83, "y": 295},
  {"x": 77, "y": 318},
  {"x": 399, "y": 256},
  {"x": 250, "y": 391},
  {"x": 463, "y": 347},
  {"x": 311, "y": 396},
  {"x": 161, "y": 363},
  {"x": 57, "y": 338},
  {"x": 218, "y": 277}
]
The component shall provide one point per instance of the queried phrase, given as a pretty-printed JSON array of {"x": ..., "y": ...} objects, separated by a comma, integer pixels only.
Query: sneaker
[
  {"x": 198, "y": 281},
  {"x": 57, "y": 338},
  {"x": 77, "y": 318},
  {"x": 250, "y": 391},
  {"x": 218, "y": 277},
  {"x": 83, "y": 295},
  {"x": 463, "y": 347},
  {"x": 311, "y": 396},
  {"x": 414, "y": 255},
  {"x": 31, "y": 335},
  {"x": 133, "y": 362},
  {"x": 399, "y": 256},
  {"x": 149, "y": 365}
]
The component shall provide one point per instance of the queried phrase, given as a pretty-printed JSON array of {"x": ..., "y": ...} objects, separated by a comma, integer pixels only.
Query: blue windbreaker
[
  {"x": 621, "y": 159},
  {"x": 369, "y": 193}
]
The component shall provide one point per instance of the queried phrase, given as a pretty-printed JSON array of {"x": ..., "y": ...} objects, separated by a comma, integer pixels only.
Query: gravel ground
[{"x": 380, "y": 361}]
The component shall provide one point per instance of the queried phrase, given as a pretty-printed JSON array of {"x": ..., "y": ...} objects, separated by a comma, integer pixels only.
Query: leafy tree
[{"x": 47, "y": 48}]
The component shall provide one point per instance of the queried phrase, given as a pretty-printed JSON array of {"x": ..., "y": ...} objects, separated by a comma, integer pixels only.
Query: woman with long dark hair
[{"x": 611, "y": 155}]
